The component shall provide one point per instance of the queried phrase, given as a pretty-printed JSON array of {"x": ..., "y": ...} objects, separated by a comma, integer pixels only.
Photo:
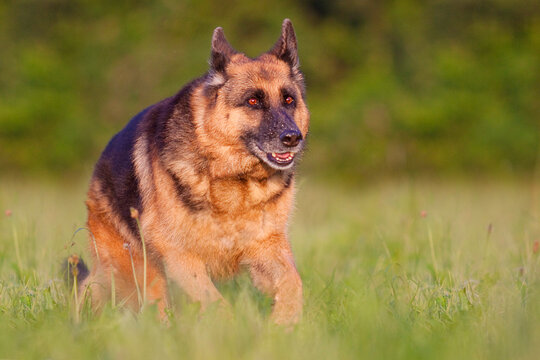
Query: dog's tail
[{"x": 74, "y": 269}]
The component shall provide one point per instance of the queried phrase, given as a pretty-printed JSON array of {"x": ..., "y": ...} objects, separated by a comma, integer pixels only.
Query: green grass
[{"x": 381, "y": 281}]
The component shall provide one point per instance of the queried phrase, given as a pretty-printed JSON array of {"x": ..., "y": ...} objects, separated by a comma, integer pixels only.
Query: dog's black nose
[{"x": 290, "y": 137}]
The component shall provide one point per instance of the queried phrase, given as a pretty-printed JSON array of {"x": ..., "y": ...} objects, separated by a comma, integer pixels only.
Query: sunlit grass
[{"x": 403, "y": 269}]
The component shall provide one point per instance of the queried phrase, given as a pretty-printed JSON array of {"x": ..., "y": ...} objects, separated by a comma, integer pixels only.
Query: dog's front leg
[
  {"x": 189, "y": 272},
  {"x": 272, "y": 270}
]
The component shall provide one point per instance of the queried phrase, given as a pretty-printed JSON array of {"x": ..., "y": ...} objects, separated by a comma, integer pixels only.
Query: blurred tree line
[{"x": 393, "y": 86}]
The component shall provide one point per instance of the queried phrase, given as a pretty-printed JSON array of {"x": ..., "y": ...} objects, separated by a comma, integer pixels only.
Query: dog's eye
[
  {"x": 289, "y": 100},
  {"x": 253, "y": 101}
]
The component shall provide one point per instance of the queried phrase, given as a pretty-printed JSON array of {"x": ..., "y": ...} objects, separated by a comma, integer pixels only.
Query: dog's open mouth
[
  {"x": 281, "y": 158},
  {"x": 274, "y": 159}
]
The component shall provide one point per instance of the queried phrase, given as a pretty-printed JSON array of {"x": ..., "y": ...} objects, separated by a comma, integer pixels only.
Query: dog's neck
[{"x": 210, "y": 186}]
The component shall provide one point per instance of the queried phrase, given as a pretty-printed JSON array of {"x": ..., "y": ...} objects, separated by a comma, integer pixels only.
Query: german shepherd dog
[{"x": 201, "y": 185}]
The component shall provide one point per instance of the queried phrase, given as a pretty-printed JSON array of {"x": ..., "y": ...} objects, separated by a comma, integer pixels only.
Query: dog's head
[{"x": 258, "y": 105}]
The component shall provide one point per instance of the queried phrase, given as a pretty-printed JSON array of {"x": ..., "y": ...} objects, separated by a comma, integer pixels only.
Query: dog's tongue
[{"x": 283, "y": 156}]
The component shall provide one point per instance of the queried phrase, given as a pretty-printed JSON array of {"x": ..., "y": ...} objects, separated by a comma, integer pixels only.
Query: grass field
[{"x": 392, "y": 270}]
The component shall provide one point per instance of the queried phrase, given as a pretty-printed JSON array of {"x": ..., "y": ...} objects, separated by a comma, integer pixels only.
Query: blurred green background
[{"x": 394, "y": 87}]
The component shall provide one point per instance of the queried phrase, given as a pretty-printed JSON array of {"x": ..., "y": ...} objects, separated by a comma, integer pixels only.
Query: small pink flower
[
  {"x": 536, "y": 246},
  {"x": 8, "y": 212},
  {"x": 134, "y": 213},
  {"x": 423, "y": 213},
  {"x": 73, "y": 259}
]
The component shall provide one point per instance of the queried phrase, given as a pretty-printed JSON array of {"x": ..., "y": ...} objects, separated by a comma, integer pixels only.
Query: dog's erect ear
[
  {"x": 221, "y": 51},
  {"x": 285, "y": 48}
]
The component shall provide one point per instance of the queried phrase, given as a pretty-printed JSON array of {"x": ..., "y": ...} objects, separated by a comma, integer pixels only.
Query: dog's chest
[
  {"x": 235, "y": 215},
  {"x": 241, "y": 197},
  {"x": 222, "y": 241},
  {"x": 243, "y": 213}
]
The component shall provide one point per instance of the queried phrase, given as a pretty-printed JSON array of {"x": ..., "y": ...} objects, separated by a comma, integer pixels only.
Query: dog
[{"x": 201, "y": 186}]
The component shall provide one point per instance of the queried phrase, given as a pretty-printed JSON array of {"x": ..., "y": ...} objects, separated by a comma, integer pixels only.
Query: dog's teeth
[{"x": 283, "y": 158}]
